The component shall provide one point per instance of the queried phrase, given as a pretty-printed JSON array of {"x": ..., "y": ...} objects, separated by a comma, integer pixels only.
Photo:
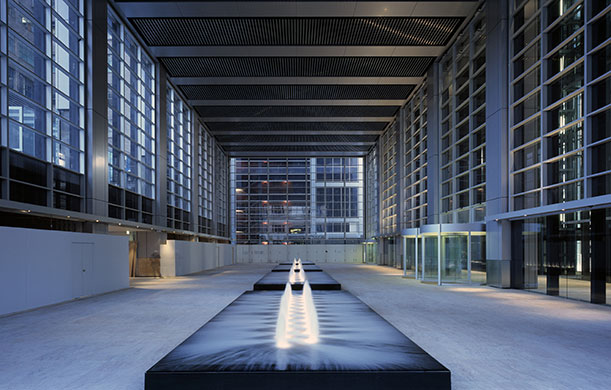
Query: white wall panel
[
  {"x": 188, "y": 257},
  {"x": 43, "y": 267},
  {"x": 316, "y": 253}
]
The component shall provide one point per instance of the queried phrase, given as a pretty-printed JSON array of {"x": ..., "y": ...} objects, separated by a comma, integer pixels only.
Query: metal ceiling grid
[
  {"x": 295, "y": 148},
  {"x": 292, "y": 31},
  {"x": 295, "y": 111},
  {"x": 286, "y": 78},
  {"x": 298, "y": 92},
  {"x": 296, "y": 126},
  {"x": 271, "y": 139},
  {"x": 296, "y": 66}
]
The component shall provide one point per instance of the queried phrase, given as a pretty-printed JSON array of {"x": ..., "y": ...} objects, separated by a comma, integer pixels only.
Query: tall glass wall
[
  {"x": 372, "y": 205},
  {"x": 298, "y": 201},
  {"x": 389, "y": 175},
  {"x": 131, "y": 126},
  {"x": 180, "y": 135},
  {"x": 389, "y": 180},
  {"x": 462, "y": 88},
  {"x": 338, "y": 198},
  {"x": 567, "y": 255},
  {"x": 372, "y": 200},
  {"x": 206, "y": 180},
  {"x": 43, "y": 98},
  {"x": 416, "y": 160},
  {"x": 561, "y": 109},
  {"x": 221, "y": 186}
]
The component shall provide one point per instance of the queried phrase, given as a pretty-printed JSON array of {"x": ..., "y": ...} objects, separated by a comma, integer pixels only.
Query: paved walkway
[
  {"x": 109, "y": 341},
  {"x": 489, "y": 338}
]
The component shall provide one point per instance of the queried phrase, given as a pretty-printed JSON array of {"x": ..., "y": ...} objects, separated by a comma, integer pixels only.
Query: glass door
[{"x": 454, "y": 258}]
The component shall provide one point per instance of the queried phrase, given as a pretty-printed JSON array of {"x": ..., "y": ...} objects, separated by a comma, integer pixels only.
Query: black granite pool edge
[{"x": 312, "y": 380}]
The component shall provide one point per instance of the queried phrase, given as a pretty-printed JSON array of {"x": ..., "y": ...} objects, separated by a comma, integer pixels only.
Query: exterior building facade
[
  {"x": 298, "y": 200},
  {"x": 162, "y": 172},
  {"x": 503, "y": 175}
]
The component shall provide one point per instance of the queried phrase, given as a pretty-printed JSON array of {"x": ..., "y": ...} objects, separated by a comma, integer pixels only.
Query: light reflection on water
[
  {"x": 243, "y": 338},
  {"x": 297, "y": 321}
]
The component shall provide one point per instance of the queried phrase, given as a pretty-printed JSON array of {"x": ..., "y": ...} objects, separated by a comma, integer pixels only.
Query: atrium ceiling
[{"x": 301, "y": 78}]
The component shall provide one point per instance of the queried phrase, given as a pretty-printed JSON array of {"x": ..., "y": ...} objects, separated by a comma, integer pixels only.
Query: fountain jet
[
  {"x": 282, "y": 324},
  {"x": 311, "y": 317},
  {"x": 297, "y": 321}
]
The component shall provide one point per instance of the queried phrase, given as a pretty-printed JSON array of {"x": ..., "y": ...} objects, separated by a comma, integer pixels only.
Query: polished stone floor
[{"x": 488, "y": 338}]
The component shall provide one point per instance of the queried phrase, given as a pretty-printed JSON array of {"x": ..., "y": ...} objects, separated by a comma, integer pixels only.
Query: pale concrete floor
[
  {"x": 488, "y": 338},
  {"x": 108, "y": 342},
  {"x": 491, "y": 338}
]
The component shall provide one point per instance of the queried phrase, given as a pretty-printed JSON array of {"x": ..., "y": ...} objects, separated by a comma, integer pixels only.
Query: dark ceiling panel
[
  {"x": 165, "y": 1},
  {"x": 296, "y": 66},
  {"x": 361, "y": 31},
  {"x": 283, "y": 92},
  {"x": 296, "y": 148},
  {"x": 296, "y": 126},
  {"x": 271, "y": 139},
  {"x": 295, "y": 111}
]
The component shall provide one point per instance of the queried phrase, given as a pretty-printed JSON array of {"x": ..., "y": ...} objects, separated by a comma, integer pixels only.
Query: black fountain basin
[
  {"x": 291, "y": 263},
  {"x": 356, "y": 349},
  {"x": 286, "y": 268},
  {"x": 278, "y": 280}
]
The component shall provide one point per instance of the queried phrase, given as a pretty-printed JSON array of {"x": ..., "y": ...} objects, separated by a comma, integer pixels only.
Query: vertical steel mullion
[
  {"x": 469, "y": 257},
  {"x": 423, "y": 257},
  {"x": 439, "y": 255},
  {"x": 587, "y": 90},
  {"x": 416, "y": 257},
  {"x": 404, "y": 257}
]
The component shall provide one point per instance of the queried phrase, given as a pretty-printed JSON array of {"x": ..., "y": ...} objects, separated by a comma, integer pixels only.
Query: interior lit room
[{"x": 305, "y": 194}]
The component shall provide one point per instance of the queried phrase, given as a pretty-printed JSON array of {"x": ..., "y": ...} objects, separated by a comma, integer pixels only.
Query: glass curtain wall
[
  {"x": 415, "y": 189},
  {"x": 566, "y": 254},
  {"x": 338, "y": 199},
  {"x": 131, "y": 126},
  {"x": 390, "y": 147},
  {"x": 416, "y": 163},
  {"x": 389, "y": 193},
  {"x": 221, "y": 186},
  {"x": 560, "y": 111},
  {"x": 462, "y": 87},
  {"x": 372, "y": 206},
  {"x": 180, "y": 135},
  {"x": 43, "y": 118},
  {"x": 560, "y": 140},
  {"x": 298, "y": 201},
  {"x": 206, "y": 162}
]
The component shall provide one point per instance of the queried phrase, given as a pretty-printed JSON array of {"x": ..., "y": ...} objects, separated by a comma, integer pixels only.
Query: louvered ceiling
[
  {"x": 224, "y": 112},
  {"x": 370, "y": 31},
  {"x": 296, "y": 66},
  {"x": 297, "y": 127},
  {"x": 280, "y": 78}
]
